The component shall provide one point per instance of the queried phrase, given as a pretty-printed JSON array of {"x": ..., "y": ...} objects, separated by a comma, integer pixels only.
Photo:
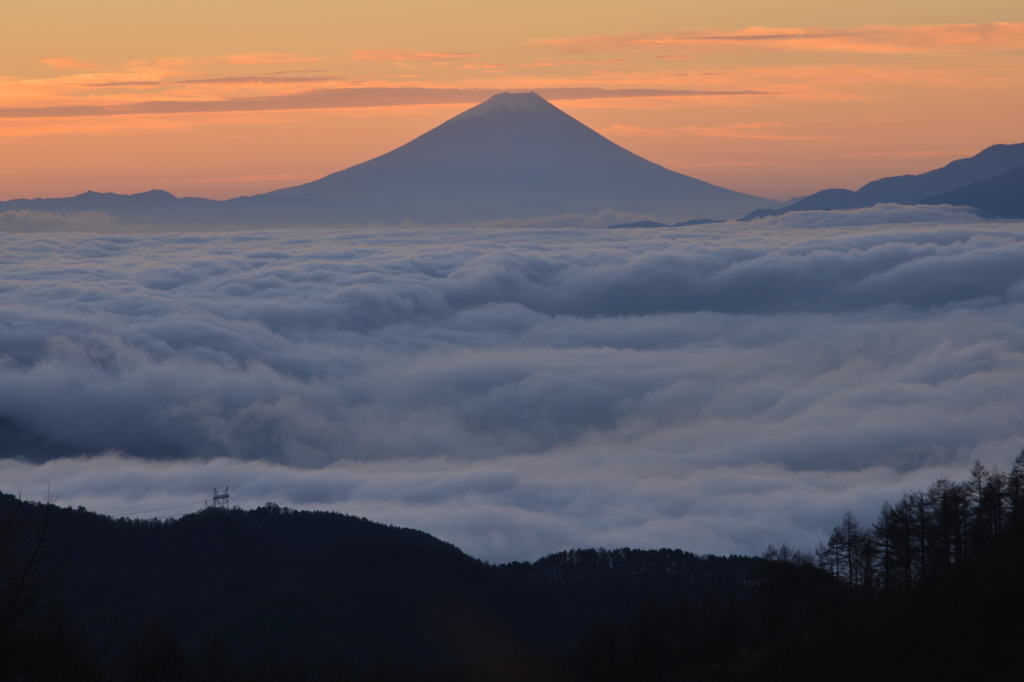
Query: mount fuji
[
  {"x": 513, "y": 156},
  {"x": 518, "y": 156}
]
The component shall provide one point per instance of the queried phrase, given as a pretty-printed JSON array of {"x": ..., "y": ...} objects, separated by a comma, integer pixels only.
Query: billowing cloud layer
[{"x": 519, "y": 391}]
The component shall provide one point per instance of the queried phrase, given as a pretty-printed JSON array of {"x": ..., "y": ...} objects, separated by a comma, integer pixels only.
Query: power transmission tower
[{"x": 220, "y": 500}]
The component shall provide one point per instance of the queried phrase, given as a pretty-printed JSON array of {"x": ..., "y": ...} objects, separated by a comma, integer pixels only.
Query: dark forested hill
[
  {"x": 931, "y": 591},
  {"x": 267, "y": 575},
  {"x": 322, "y": 582}
]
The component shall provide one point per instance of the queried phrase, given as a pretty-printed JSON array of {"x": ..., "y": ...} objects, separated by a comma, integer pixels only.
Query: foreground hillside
[
  {"x": 321, "y": 582},
  {"x": 930, "y": 591}
]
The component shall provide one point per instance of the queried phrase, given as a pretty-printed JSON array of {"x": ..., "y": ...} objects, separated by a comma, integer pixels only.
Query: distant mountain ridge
[
  {"x": 1001, "y": 196},
  {"x": 158, "y": 208},
  {"x": 653, "y": 223},
  {"x": 912, "y": 189},
  {"x": 514, "y": 156}
]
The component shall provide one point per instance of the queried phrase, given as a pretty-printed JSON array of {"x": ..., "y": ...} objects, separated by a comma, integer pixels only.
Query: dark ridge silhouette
[
  {"x": 697, "y": 221},
  {"x": 1001, "y": 196},
  {"x": 320, "y": 580},
  {"x": 651, "y": 223},
  {"x": 638, "y": 223},
  {"x": 909, "y": 189}
]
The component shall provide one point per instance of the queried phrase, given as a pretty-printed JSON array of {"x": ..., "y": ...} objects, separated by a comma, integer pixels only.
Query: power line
[{"x": 147, "y": 511}]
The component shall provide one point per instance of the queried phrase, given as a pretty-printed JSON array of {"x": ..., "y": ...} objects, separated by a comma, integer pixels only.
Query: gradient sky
[{"x": 776, "y": 99}]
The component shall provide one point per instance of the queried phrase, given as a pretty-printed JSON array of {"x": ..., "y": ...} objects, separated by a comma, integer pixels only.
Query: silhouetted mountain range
[
  {"x": 1001, "y": 196},
  {"x": 518, "y": 156},
  {"x": 513, "y": 156},
  {"x": 157, "y": 208},
  {"x": 926, "y": 188}
]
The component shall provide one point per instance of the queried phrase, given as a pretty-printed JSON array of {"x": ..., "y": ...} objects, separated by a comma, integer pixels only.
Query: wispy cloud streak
[
  {"x": 866, "y": 39},
  {"x": 342, "y": 98}
]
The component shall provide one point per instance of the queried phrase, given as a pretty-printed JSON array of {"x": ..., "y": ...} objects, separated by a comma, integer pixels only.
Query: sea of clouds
[{"x": 523, "y": 390}]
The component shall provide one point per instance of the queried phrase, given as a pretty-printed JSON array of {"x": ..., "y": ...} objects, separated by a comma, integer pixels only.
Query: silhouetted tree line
[
  {"x": 590, "y": 565},
  {"x": 926, "y": 533},
  {"x": 933, "y": 590}
]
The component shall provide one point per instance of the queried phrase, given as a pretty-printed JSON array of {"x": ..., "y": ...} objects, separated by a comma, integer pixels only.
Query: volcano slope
[{"x": 518, "y": 156}]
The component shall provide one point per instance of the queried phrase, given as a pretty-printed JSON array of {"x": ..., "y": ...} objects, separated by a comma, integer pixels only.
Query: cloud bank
[{"x": 519, "y": 391}]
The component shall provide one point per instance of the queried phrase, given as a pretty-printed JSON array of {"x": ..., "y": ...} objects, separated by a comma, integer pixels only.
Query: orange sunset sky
[{"x": 222, "y": 98}]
